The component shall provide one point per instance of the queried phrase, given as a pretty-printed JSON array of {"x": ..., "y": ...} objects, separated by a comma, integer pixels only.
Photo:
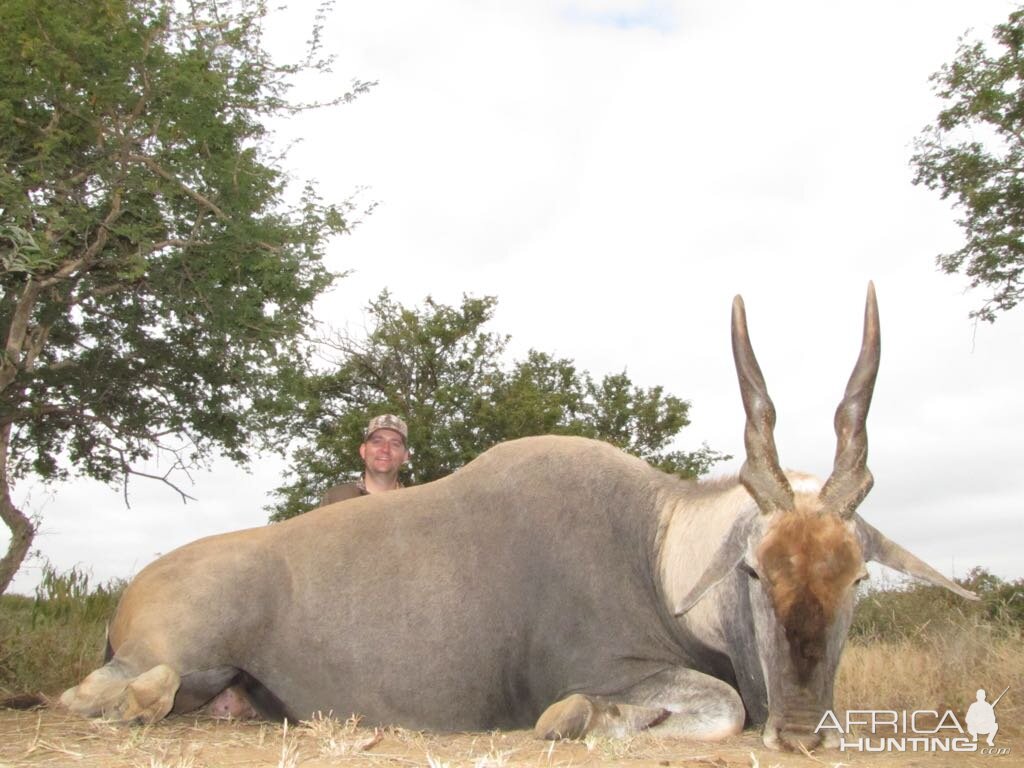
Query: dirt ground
[{"x": 48, "y": 738}]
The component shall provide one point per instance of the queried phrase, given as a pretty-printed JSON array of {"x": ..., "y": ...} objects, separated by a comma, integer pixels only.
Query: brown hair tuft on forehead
[{"x": 808, "y": 561}]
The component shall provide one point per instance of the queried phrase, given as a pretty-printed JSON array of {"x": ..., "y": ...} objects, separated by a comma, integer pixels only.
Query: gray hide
[{"x": 470, "y": 603}]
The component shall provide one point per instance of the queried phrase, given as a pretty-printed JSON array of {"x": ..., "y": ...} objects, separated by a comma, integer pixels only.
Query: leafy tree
[
  {"x": 438, "y": 368},
  {"x": 974, "y": 154},
  {"x": 155, "y": 273}
]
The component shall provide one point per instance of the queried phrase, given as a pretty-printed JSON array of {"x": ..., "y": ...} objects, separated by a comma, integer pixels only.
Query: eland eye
[{"x": 749, "y": 571}]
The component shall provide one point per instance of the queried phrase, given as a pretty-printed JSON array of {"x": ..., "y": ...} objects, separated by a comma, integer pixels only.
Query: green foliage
[
  {"x": 974, "y": 154},
  {"x": 65, "y": 598},
  {"x": 892, "y": 614},
  {"x": 51, "y": 642},
  {"x": 438, "y": 368},
  {"x": 156, "y": 274}
]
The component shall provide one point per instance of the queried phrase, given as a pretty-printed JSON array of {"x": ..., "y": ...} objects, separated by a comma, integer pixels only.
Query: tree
[
  {"x": 155, "y": 273},
  {"x": 974, "y": 154},
  {"x": 438, "y": 368}
]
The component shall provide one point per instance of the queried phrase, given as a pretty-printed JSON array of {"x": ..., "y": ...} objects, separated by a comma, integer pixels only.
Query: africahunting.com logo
[{"x": 919, "y": 730}]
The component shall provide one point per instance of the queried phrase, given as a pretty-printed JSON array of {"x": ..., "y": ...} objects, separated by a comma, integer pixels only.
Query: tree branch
[
  {"x": 185, "y": 498},
  {"x": 159, "y": 171},
  {"x": 72, "y": 266},
  {"x": 21, "y": 527}
]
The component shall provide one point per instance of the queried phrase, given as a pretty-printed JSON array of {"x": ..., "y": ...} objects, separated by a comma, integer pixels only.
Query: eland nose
[
  {"x": 790, "y": 739},
  {"x": 793, "y": 732}
]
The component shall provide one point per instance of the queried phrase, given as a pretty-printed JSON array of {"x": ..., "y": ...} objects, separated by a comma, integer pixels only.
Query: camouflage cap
[{"x": 387, "y": 421}]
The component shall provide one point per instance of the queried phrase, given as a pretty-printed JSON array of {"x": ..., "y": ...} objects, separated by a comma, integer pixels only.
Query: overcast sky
[{"x": 615, "y": 172}]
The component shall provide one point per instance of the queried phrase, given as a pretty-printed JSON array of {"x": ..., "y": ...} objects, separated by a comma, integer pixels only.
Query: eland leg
[
  {"x": 114, "y": 692},
  {"x": 580, "y": 715},
  {"x": 674, "y": 702},
  {"x": 120, "y": 691},
  {"x": 699, "y": 706}
]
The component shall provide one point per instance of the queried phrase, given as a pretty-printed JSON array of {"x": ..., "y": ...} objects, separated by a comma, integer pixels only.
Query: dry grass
[
  {"x": 938, "y": 670},
  {"x": 337, "y": 739},
  {"x": 30, "y": 740}
]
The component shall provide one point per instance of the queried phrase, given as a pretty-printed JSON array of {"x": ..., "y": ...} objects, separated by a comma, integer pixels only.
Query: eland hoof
[{"x": 565, "y": 719}]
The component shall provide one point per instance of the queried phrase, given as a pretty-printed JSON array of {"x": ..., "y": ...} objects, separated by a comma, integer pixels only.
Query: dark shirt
[{"x": 345, "y": 491}]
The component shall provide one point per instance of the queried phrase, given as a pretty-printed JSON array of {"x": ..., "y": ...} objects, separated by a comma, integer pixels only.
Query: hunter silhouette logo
[{"x": 981, "y": 717}]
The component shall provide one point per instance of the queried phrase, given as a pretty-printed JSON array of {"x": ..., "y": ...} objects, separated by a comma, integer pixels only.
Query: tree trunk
[{"x": 21, "y": 528}]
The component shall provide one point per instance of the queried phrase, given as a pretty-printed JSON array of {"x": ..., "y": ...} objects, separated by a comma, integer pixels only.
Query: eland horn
[
  {"x": 851, "y": 479},
  {"x": 761, "y": 474}
]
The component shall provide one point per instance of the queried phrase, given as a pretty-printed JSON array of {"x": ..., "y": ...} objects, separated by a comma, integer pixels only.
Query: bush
[
  {"x": 895, "y": 612},
  {"x": 51, "y": 642}
]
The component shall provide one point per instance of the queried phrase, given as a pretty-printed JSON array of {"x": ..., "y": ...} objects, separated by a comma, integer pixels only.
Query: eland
[{"x": 553, "y": 582}]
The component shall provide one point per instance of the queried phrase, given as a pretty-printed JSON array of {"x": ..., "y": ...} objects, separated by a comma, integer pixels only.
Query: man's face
[{"x": 384, "y": 451}]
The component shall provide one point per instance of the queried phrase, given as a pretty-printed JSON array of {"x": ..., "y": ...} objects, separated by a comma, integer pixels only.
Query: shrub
[
  {"x": 894, "y": 612},
  {"x": 51, "y": 642}
]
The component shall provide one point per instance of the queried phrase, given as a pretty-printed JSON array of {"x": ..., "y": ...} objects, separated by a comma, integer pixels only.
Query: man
[{"x": 384, "y": 450}]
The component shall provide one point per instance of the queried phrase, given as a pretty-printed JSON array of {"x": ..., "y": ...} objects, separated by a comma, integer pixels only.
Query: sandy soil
[{"x": 48, "y": 738}]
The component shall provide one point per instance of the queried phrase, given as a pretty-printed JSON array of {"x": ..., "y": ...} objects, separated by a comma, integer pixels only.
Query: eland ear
[
  {"x": 724, "y": 562},
  {"x": 882, "y": 550}
]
